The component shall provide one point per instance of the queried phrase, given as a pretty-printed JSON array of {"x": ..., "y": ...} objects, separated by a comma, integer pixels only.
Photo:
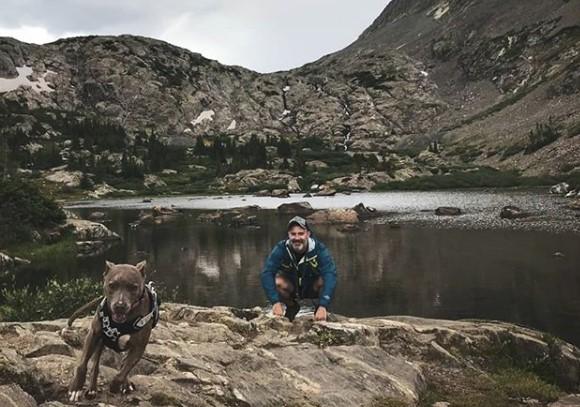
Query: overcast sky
[{"x": 264, "y": 35}]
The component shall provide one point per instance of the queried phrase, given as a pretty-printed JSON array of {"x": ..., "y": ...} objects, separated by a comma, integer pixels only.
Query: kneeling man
[{"x": 299, "y": 267}]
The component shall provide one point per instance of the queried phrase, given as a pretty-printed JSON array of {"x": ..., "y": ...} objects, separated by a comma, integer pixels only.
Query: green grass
[
  {"x": 480, "y": 390},
  {"x": 57, "y": 299}
]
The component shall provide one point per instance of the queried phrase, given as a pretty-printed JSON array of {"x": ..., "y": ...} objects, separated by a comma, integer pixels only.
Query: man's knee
[{"x": 284, "y": 287}]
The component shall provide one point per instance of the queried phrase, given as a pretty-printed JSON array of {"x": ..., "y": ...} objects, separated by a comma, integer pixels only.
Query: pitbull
[{"x": 123, "y": 322}]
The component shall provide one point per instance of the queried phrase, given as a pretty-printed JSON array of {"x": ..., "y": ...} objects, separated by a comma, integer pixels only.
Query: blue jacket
[{"x": 316, "y": 262}]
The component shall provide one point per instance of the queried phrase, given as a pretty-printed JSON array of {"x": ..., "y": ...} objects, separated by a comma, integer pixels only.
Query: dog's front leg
[
  {"x": 136, "y": 345},
  {"x": 92, "y": 391},
  {"x": 91, "y": 343}
]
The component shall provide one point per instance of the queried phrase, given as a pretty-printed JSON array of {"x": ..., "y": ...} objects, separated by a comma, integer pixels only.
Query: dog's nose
[{"x": 120, "y": 307}]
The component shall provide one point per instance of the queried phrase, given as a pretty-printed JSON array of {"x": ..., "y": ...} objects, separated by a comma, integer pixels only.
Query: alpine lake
[{"x": 408, "y": 261}]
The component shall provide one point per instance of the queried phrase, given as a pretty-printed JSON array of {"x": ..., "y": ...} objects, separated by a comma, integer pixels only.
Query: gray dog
[{"x": 123, "y": 322}]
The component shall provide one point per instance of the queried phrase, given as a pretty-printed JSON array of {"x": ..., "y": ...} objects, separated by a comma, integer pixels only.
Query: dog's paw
[
  {"x": 75, "y": 395},
  {"x": 121, "y": 386}
]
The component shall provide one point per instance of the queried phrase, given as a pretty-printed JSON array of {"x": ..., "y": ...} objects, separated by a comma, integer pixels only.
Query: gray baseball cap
[{"x": 299, "y": 221}]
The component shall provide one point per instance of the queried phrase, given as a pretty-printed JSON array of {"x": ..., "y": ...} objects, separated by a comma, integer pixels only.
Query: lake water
[{"x": 406, "y": 263}]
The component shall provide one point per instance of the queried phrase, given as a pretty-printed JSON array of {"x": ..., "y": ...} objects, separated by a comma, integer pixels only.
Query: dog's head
[{"x": 123, "y": 286}]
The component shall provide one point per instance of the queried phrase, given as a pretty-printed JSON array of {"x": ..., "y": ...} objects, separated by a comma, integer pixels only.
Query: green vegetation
[
  {"x": 389, "y": 402},
  {"x": 480, "y": 390},
  {"x": 542, "y": 135},
  {"x": 55, "y": 300},
  {"x": 24, "y": 210}
]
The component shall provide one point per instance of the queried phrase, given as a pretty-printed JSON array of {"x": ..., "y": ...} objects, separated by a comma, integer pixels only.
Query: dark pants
[{"x": 288, "y": 294}]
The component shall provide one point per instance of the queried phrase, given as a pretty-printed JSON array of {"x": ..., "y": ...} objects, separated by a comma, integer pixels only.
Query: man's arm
[
  {"x": 328, "y": 274},
  {"x": 268, "y": 276}
]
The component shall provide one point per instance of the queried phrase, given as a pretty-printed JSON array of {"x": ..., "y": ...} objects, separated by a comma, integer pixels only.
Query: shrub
[
  {"x": 23, "y": 209},
  {"x": 542, "y": 135},
  {"x": 56, "y": 300}
]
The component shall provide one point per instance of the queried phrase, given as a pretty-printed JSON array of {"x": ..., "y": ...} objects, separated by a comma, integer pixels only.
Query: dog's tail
[{"x": 83, "y": 309}]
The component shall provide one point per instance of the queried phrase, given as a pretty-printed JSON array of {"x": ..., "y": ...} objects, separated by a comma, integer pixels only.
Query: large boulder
[
  {"x": 153, "y": 181},
  {"x": 13, "y": 395},
  {"x": 296, "y": 208},
  {"x": 92, "y": 238},
  {"x": 225, "y": 356},
  {"x": 334, "y": 216},
  {"x": 60, "y": 175}
]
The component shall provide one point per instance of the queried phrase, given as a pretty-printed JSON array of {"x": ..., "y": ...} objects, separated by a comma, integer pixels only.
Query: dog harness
[{"x": 112, "y": 331}]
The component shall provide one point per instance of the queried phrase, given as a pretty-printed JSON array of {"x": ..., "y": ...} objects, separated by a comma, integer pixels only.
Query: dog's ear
[
  {"x": 141, "y": 266},
  {"x": 108, "y": 267}
]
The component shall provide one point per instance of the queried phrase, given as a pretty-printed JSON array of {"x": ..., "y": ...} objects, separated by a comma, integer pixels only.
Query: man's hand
[
  {"x": 321, "y": 314},
  {"x": 278, "y": 309}
]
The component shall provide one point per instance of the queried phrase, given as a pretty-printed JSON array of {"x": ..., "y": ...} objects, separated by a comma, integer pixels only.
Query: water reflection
[{"x": 504, "y": 275}]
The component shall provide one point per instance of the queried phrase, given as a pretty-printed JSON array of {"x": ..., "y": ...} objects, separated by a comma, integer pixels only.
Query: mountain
[{"x": 490, "y": 83}]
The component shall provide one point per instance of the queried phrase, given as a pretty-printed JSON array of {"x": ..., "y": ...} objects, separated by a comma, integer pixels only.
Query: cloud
[{"x": 264, "y": 35}]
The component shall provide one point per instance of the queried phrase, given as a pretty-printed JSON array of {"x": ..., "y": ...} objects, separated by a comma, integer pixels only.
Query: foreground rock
[
  {"x": 232, "y": 357},
  {"x": 247, "y": 180},
  {"x": 334, "y": 216}
]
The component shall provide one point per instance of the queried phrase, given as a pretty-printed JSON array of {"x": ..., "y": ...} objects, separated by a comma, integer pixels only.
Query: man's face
[{"x": 298, "y": 238}]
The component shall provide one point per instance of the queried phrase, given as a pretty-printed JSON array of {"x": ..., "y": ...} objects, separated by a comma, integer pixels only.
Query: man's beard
[{"x": 299, "y": 246}]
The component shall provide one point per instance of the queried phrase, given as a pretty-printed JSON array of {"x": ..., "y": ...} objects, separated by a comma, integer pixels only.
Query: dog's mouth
[{"x": 119, "y": 317}]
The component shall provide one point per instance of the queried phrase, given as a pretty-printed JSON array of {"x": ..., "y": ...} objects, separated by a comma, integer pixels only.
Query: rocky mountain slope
[
  {"x": 492, "y": 83},
  {"x": 233, "y": 357}
]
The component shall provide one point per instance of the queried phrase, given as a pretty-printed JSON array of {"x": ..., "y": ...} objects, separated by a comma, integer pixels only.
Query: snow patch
[
  {"x": 424, "y": 73},
  {"x": 232, "y": 125},
  {"x": 286, "y": 89},
  {"x": 206, "y": 115},
  {"x": 6, "y": 85},
  {"x": 286, "y": 113}
]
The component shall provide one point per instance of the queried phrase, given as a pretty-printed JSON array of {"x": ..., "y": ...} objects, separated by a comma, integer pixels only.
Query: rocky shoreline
[{"x": 243, "y": 357}]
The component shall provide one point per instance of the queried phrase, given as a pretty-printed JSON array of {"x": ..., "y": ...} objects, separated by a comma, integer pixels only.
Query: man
[{"x": 299, "y": 267}]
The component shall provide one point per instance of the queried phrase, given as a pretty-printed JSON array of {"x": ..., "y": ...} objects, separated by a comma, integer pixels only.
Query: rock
[
  {"x": 334, "y": 216},
  {"x": 441, "y": 404},
  {"x": 13, "y": 395},
  {"x": 296, "y": 208},
  {"x": 314, "y": 187},
  {"x": 560, "y": 189},
  {"x": 102, "y": 190},
  {"x": 168, "y": 172},
  {"x": 307, "y": 195},
  {"x": 59, "y": 175},
  {"x": 571, "y": 400},
  {"x": 225, "y": 356},
  {"x": 246, "y": 180},
  {"x": 153, "y": 181},
  {"x": 9, "y": 263},
  {"x": 86, "y": 230},
  {"x": 147, "y": 200},
  {"x": 365, "y": 212},
  {"x": 235, "y": 218},
  {"x": 163, "y": 211},
  {"x": 349, "y": 228},
  {"x": 316, "y": 165},
  {"x": 97, "y": 216},
  {"x": 447, "y": 211},
  {"x": 575, "y": 205},
  {"x": 92, "y": 238},
  {"x": 513, "y": 212},
  {"x": 573, "y": 193},
  {"x": 325, "y": 191},
  {"x": 280, "y": 193}
]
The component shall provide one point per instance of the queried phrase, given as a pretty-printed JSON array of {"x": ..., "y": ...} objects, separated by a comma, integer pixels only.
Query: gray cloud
[{"x": 265, "y": 35}]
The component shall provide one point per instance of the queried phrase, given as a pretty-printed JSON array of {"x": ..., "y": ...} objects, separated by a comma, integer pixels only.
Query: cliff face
[
  {"x": 233, "y": 357},
  {"x": 475, "y": 76}
]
